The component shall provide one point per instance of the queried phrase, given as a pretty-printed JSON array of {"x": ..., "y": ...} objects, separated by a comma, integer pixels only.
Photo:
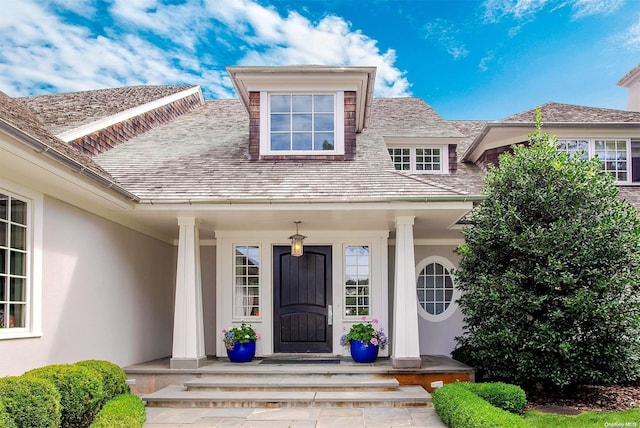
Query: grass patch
[{"x": 624, "y": 419}]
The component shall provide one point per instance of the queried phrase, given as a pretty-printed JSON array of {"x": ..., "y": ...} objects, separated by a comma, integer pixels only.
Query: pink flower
[
  {"x": 224, "y": 330},
  {"x": 363, "y": 318},
  {"x": 374, "y": 341},
  {"x": 374, "y": 321},
  {"x": 258, "y": 336},
  {"x": 381, "y": 330}
]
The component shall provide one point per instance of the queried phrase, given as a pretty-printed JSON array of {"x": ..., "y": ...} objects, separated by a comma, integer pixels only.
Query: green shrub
[
  {"x": 6, "y": 421},
  {"x": 501, "y": 395},
  {"x": 123, "y": 411},
  {"x": 114, "y": 379},
  {"x": 458, "y": 407},
  {"x": 549, "y": 273},
  {"x": 29, "y": 402},
  {"x": 80, "y": 388}
]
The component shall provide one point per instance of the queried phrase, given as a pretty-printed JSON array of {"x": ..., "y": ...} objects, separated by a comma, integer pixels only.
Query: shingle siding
[{"x": 108, "y": 138}]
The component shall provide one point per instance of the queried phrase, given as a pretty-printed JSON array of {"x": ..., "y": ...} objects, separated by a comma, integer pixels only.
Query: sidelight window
[
  {"x": 357, "y": 288},
  {"x": 246, "y": 294}
]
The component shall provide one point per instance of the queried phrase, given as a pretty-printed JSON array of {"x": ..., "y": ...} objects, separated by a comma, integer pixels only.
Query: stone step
[
  {"x": 179, "y": 396},
  {"x": 309, "y": 382}
]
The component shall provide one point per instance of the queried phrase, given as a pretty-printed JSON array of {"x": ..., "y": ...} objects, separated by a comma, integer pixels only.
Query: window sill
[{"x": 19, "y": 335}]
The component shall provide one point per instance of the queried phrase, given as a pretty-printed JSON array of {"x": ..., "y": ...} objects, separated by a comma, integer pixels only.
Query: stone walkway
[{"x": 293, "y": 417}]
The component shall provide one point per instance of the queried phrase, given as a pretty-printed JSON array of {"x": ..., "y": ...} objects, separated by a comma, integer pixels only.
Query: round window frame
[{"x": 446, "y": 263}]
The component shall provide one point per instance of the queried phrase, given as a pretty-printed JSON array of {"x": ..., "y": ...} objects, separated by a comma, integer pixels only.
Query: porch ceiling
[{"x": 433, "y": 220}]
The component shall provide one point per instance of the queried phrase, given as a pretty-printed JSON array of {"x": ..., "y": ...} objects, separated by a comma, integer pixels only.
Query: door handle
[{"x": 330, "y": 315}]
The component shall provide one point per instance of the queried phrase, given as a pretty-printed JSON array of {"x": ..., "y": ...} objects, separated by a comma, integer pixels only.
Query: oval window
[{"x": 437, "y": 293}]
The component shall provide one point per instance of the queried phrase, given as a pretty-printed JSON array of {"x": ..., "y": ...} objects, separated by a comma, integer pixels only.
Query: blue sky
[{"x": 468, "y": 59}]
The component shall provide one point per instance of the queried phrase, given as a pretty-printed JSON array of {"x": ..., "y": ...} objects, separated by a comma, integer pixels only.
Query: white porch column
[
  {"x": 188, "y": 325},
  {"x": 406, "y": 346}
]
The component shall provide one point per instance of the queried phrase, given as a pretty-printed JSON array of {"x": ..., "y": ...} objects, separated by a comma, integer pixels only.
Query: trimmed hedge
[
  {"x": 29, "y": 402},
  {"x": 6, "y": 421},
  {"x": 459, "y": 407},
  {"x": 81, "y": 393},
  {"x": 114, "y": 379},
  {"x": 123, "y": 411},
  {"x": 501, "y": 395}
]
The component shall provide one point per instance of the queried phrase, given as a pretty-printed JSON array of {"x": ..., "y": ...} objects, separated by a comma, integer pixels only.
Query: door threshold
[{"x": 301, "y": 355}]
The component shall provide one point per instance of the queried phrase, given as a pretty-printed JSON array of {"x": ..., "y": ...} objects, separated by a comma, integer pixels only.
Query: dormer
[
  {"x": 631, "y": 81},
  {"x": 304, "y": 112}
]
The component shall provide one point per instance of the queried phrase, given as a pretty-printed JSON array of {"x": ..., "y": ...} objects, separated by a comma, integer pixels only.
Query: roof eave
[
  {"x": 56, "y": 155},
  {"x": 478, "y": 140},
  {"x": 361, "y": 79}
]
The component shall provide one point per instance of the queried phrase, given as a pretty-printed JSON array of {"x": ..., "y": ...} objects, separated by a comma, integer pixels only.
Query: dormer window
[
  {"x": 302, "y": 123},
  {"x": 421, "y": 160}
]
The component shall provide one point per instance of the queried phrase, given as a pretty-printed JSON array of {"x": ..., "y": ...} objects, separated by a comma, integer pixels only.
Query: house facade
[{"x": 139, "y": 222}]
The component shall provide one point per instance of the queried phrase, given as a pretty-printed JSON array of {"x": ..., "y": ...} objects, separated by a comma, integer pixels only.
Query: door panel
[{"x": 302, "y": 294}]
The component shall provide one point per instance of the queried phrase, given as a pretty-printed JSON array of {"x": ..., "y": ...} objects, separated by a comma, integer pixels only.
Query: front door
[{"x": 302, "y": 300}]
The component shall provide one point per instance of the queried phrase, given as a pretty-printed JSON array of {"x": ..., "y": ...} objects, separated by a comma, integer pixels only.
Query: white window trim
[
  {"x": 444, "y": 158},
  {"x": 591, "y": 141},
  {"x": 34, "y": 202},
  {"x": 456, "y": 291},
  {"x": 249, "y": 318},
  {"x": 265, "y": 125},
  {"x": 344, "y": 283}
]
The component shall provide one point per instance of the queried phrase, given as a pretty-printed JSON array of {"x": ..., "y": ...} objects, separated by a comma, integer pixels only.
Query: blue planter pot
[
  {"x": 362, "y": 352},
  {"x": 242, "y": 352}
]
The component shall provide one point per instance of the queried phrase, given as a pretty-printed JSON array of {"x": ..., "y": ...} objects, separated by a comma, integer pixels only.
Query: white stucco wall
[
  {"x": 436, "y": 338},
  {"x": 107, "y": 294}
]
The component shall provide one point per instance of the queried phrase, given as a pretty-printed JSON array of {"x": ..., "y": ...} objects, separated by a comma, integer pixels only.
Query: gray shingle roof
[
  {"x": 63, "y": 112},
  {"x": 202, "y": 155},
  {"x": 470, "y": 129},
  {"x": 408, "y": 117},
  {"x": 21, "y": 118},
  {"x": 569, "y": 113}
]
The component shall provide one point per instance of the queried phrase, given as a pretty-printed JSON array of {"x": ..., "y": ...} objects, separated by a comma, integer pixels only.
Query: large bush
[
  {"x": 550, "y": 272},
  {"x": 29, "y": 402},
  {"x": 123, "y": 411},
  {"x": 114, "y": 379},
  {"x": 81, "y": 393}
]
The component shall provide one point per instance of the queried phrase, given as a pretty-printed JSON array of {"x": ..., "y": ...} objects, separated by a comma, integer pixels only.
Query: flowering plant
[
  {"x": 243, "y": 334},
  {"x": 365, "y": 332}
]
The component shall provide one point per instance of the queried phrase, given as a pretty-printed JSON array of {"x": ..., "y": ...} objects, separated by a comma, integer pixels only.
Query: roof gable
[
  {"x": 570, "y": 113},
  {"x": 60, "y": 113}
]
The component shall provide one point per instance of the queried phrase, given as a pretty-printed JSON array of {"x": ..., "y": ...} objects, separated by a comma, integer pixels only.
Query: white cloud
[
  {"x": 40, "y": 51},
  {"x": 188, "y": 43},
  {"x": 631, "y": 38},
  {"x": 584, "y": 8},
  {"x": 278, "y": 40},
  {"x": 486, "y": 60},
  {"x": 497, "y": 10},
  {"x": 443, "y": 33}
]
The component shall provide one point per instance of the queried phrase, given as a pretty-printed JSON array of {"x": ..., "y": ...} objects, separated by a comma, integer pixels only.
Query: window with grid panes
[
  {"x": 435, "y": 288},
  {"x": 616, "y": 155},
  {"x": 419, "y": 160},
  {"x": 613, "y": 156},
  {"x": 356, "y": 280},
  {"x": 401, "y": 158},
  {"x": 14, "y": 305},
  {"x": 428, "y": 159},
  {"x": 246, "y": 294},
  {"x": 302, "y": 122}
]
